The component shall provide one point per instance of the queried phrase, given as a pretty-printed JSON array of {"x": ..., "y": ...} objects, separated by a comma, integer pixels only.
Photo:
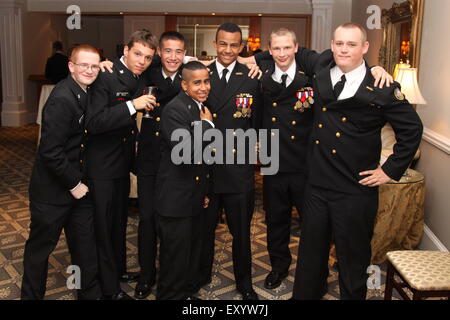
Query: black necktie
[
  {"x": 169, "y": 80},
  {"x": 223, "y": 80},
  {"x": 339, "y": 86},
  {"x": 283, "y": 79}
]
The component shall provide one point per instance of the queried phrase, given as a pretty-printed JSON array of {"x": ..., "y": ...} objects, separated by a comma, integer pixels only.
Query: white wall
[{"x": 434, "y": 82}]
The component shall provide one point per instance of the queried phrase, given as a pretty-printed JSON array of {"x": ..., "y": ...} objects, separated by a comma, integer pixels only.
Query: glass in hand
[{"x": 150, "y": 90}]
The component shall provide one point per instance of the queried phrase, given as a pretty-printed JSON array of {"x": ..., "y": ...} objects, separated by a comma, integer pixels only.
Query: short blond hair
[
  {"x": 353, "y": 25},
  {"x": 282, "y": 32}
]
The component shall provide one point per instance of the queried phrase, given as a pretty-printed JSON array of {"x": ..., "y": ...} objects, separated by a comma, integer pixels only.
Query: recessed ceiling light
[
  {"x": 121, "y": 12},
  {"x": 260, "y": 14},
  {"x": 213, "y": 14}
]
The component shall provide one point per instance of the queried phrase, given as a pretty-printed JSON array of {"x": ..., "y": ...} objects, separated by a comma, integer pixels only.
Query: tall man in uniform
[
  {"x": 341, "y": 197},
  {"x": 182, "y": 184},
  {"x": 234, "y": 101},
  {"x": 110, "y": 125},
  {"x": 58, "y": 188},
  {"x": 166, "y": 76}
]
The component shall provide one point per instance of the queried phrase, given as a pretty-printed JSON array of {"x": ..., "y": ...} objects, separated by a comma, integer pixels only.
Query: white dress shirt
[
  {"x": 220, "y": 68},
  {"x": 276, "y": 76},
  {"x": 353, "y": 78},
  {"x": 165, "y": 75},
  {"x": 199, "y": 105}
]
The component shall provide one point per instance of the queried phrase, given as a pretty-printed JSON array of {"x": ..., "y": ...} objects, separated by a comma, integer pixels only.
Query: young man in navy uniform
[
  {"x": 110, "y": 125},
  {"x": 59, "y": 195},
  {"x": 341, "y": 197},
  {"x": 234, "y": 102},
  {"x": 182, "y": 185}
]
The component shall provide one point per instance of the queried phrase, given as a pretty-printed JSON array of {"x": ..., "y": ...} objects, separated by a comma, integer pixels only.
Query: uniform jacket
[
  {"x": 110, "y": 127},
  {"x": 346, "y": 134},
  {"x": 149, "y": 141},
  {"x": 222, "y": 104},
  {"x": 181, "y": 188},
  {"x": 59, "y": 164}
]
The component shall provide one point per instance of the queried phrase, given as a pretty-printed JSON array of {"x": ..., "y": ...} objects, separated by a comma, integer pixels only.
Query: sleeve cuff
[
  {"x": 186, "y": 59},
  {"x": 131, "y": 108},
  {"x": 75, "y": 187},
  {"x": 210, "y": 122}
]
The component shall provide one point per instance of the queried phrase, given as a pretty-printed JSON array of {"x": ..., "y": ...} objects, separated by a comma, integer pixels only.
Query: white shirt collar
[
  {"x": 290, "y": 72},
  {"x": 356, "y": 74},
  {"x": 165, "y": 75},
  {"x": 199, "y": 104},
  {"x": 220, "y": 68}
]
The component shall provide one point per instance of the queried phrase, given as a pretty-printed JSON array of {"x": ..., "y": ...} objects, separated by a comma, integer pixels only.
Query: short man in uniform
[{"x": 59, "y": 195}]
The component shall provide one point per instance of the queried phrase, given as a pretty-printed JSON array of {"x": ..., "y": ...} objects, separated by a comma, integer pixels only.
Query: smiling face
[
  {"x": 196, "y": 84},
  {"x": 283, "y": 49},
  {"x": 228, "y": 46},
  {"x": 138, "y": 57},
  {"x": 172, "y": 53},
  {"x": 349, "y": 47},
  {"x": 84, "y": 67}
]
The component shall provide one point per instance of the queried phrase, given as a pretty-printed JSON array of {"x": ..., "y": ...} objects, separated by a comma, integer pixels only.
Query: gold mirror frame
[{"x": 409, "y": 11}]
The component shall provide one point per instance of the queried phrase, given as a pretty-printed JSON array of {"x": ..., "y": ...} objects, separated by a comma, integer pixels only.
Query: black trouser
[
  {"x": 179, "y": 257},
  {"x": 239, "y": 211},
  {"x": 350, "y": 218},
  {"x": 47, "y": 222},
  {"x": 147, "y": 237},
  {"x": 110, "y": 218},
  {"x": 282, "y": 191}
]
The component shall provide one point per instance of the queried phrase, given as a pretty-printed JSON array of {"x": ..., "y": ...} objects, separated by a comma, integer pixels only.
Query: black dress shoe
[
  {"x": 274, "y": 279},
  {"x": 121, "y": 296},
  {"x": 142, "y": 290},
  {"x": 249, "y": 295},
  {"x": 129, "y": 277}
]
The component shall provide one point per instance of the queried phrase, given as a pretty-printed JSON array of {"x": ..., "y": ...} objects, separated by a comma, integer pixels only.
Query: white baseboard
[{"x": 430, "y": 241}]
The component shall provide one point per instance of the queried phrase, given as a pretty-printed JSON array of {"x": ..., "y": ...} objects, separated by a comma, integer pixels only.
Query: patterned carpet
[{"x": 17, "y": 148}]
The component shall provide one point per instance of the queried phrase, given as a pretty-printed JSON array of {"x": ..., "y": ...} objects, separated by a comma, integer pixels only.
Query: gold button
[
  {"x": 274, "y": 119},
  {"x": 197, "y": 178},
  {"x": 294, "y": 123},
  {"x": 273, "y": 134},
  {"x": 234, "y": 150},
  {"x": 234, "y": 115},
  {"x": 324, "y": 109},
  {"x": 132, "y": 131},
  {"x": 344, "y": 119},
  {"x": 124, "y": 139},
  {"x": 82, "y": 145},
  {"x": 81, "y": 161},
  {"x": 320, "y": 125},
  {"x": 317, "y": 141},
  {"x": 214, "y": 115},
  {"x": 157, "y": 133},
  {"x": 295, "y": 108},
  {"x": 292, "y": 137},
  {"x": 333, "y": 151},
  {"x": 158, "y": 104},
  {"x": 213, "y": 149},
  {"x": 85, "y": 131},
  {"x": 274, "y": 104},
  {"x": 158, "y": 119},
  {"x": 338, "y": 134},
  {"x": 207, "y": 175}
]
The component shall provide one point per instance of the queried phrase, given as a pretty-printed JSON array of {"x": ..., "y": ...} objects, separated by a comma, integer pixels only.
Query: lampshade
[
  {"x": 407, "y": 77},
  {"x": 399, "y": 65}
]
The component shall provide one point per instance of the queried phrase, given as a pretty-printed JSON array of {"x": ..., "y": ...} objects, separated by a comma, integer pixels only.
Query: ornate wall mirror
[{"x": 402, "y": 29}]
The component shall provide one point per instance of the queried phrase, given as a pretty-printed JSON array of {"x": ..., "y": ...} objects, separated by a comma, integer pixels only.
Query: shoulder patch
[{"x": 398, "y": 94}]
